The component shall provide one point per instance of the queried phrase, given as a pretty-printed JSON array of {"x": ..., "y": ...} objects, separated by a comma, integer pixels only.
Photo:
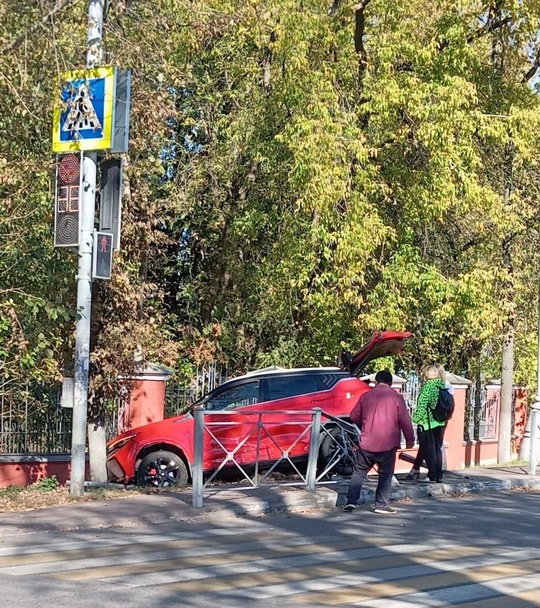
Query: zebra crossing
[{"x": 265, "y": 564}]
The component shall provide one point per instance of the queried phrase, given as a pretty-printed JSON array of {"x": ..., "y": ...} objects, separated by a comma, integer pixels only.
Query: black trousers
[
  {"x": 365, "y": 461},
  {"x": 430, "y": 445}
]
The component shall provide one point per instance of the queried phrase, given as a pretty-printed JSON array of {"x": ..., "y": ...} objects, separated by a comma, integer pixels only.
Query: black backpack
[{"x": 445, "y": 406}]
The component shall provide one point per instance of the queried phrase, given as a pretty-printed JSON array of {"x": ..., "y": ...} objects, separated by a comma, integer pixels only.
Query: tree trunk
[
  {"x": 98, "y": 452},
  {"x": 97, "y": 439}
]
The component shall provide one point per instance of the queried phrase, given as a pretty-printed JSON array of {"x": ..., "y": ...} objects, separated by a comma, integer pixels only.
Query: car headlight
[{"x": 114, "y": 446}]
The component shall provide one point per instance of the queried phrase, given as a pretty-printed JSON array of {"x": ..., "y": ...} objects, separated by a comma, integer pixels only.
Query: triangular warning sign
[{"x": 82, "y": 114}]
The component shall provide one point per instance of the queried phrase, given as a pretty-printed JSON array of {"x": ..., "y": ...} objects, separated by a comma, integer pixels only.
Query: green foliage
[
  {"x": 11, "y": 492},
  {"x": 47, "y": 484},
  {"x": 299, "y": 175}
]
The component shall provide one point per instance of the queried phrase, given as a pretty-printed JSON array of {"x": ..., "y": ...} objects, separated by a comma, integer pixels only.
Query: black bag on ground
[{"x": 445, "y": 406}]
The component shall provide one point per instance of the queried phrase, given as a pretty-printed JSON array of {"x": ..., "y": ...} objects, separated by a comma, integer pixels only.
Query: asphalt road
[{"x": 473, "y": 552}]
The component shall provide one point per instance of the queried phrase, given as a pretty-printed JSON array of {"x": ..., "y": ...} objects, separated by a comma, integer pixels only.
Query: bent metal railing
[{"x": 342, "y": 434}]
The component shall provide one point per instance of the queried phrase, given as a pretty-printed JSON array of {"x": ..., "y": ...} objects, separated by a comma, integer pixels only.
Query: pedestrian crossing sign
[{"x": 84, "y": 111}]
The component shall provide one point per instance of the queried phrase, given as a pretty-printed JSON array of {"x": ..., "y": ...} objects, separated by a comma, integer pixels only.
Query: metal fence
[
  {"x": 179, "y": 397},
  {"x": 32, "y": 420},
  {"x": 482, "y": 412},
  {"x": 258, "y": 428}
]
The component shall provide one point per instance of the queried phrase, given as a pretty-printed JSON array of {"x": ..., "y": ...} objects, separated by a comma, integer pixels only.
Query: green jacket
[{"x": 427, "y": 400}]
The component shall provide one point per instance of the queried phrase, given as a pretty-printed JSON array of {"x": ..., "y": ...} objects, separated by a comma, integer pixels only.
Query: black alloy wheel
[{"x": 162, "y": 469}]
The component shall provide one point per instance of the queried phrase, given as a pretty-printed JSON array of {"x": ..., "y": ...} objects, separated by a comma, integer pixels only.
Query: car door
[
  {"x": 234, "y": 433},
  {"x": 289, "y": 402}
]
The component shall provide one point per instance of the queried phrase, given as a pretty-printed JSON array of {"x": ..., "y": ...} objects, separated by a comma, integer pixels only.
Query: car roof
[
  {"x": 275, "y": 371},
  {"x": 282, "y": 371}
]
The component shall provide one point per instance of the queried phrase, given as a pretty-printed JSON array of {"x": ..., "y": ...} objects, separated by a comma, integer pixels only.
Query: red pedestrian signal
[{"x": 102, "y": 255}]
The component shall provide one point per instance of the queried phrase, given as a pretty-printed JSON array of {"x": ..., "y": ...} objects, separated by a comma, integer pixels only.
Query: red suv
[{"x": 277, "y": 400}]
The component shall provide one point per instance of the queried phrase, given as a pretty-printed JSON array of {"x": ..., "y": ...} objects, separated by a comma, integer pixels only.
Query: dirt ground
[{"x": 15, "y": 499}]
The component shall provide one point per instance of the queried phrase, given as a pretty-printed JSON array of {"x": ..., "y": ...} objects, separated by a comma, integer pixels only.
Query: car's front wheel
[{"x": 162, "y": 469}]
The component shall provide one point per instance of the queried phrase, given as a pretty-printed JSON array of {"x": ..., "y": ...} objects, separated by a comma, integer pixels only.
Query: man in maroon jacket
[{"x": 381, "y": 415}]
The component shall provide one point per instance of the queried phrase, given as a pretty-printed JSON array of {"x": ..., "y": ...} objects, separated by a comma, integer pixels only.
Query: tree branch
[
  {"x": 359, "y": 29},
  {"x": 491, "y": 26},
  {"x": 334, "y": 8},
  {"x": 15, "y": 44},
  {"x": 531, "y": 72}
]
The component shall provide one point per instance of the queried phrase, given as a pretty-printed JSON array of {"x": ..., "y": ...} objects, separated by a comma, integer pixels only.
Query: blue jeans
[{"x": 365, "y": 461}]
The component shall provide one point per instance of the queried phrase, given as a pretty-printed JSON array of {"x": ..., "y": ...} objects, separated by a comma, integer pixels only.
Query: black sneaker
[
  {"x": 412, "y": 476},
  {"x": 426, "y": 480},
  {"x": 349, "y": 507},
  {"x": 388, "y": 510}
]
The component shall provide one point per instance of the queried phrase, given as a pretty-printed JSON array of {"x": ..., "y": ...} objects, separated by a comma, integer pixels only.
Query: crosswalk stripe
[
  {"x": 357, "y": 593},
  {"x": 123, "y": 538},
  {"x": 220, "y": 556},
  {"x": 89, "y": 552},
  {"x": 411, "y": 569},
  {"x": 522, "y": 599},
  {"x": 339, "y": 568},
  {"x": 93, "y": 552},
  {"x": 497, "y": 592}
]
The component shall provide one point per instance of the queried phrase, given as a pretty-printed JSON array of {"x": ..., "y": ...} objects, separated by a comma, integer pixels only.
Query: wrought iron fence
[
  {"x": 482, "y": 411},
  {"x": 179, "y": 397},
  {"x": 411, "y": 390},
  {"x": 32, "y": 420}
]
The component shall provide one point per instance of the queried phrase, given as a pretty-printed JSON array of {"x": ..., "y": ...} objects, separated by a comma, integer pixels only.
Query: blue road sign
[{"x": 84, "y": 114}]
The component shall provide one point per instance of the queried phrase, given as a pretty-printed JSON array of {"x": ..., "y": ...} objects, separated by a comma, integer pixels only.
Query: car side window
[
  {"x": 234, "y": 397},
  {"x": 290, "y": 386}
]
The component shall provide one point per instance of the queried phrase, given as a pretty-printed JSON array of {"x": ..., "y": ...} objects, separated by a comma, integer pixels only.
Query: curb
[{"x": 325, "y": 498}]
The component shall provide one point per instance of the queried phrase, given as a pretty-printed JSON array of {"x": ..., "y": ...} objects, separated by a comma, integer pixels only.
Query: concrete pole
[
  {"x": 534, "y": 415},
  {"x": 84, "y": 275}
]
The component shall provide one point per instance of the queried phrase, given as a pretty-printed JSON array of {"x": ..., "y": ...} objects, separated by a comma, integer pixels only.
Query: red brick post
[
  {"x": 453, "y": 435},
  {"x": 146, "y": 400}
]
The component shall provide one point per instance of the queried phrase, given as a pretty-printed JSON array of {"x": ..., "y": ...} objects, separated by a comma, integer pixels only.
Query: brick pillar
[
  {"x": 146, "y": 400},
  {"x": 453, "y": 435}
]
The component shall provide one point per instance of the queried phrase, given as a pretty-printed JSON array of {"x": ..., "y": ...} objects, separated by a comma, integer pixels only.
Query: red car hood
[
  {"x": 381, "y": 344},
  {"x": 152, "y": 428}
]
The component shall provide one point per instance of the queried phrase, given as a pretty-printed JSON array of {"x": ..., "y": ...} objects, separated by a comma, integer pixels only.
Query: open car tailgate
[{"x": 381, "y": 344}]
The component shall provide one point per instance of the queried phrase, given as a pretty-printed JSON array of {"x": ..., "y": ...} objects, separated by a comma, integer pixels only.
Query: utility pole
[
  {"x": 84, "y": 275},
  {"x": 534, "y": 415}
]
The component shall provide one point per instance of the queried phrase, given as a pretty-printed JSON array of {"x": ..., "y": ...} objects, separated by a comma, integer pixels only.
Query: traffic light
[
  {"x": 110, "y": 210},
  {"x": 102, "y": 255},
  {"x": 67, "y": 200}
]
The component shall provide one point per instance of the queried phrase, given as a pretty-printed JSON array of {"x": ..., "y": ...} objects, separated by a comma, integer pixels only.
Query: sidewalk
[{"x": 233, "y": 501}]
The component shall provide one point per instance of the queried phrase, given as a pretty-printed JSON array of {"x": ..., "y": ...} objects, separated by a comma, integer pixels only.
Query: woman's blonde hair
[
  {"x": 430, "y": 372},
  {"x": 442, "y": 372}
]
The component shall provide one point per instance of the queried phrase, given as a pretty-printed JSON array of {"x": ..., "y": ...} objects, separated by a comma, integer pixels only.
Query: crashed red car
[{"x": 161, "y": 454}]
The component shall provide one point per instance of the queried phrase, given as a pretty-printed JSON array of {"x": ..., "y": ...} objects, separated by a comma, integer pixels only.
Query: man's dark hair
[{"x": 384, "y": 377}]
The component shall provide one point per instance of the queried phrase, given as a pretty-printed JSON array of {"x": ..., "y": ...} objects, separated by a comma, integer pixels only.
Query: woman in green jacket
[{"x": 430, "y": 431}]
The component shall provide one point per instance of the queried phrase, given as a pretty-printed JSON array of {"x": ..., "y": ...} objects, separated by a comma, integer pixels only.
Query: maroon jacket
[{"x": 382, "y": 415}]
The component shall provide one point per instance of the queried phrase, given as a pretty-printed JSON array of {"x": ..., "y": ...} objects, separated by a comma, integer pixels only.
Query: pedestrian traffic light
[
  {"x": 110, "y": 209},
  {"x": 67, "y": 200},
  {"x": 102, "y": 255}
]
